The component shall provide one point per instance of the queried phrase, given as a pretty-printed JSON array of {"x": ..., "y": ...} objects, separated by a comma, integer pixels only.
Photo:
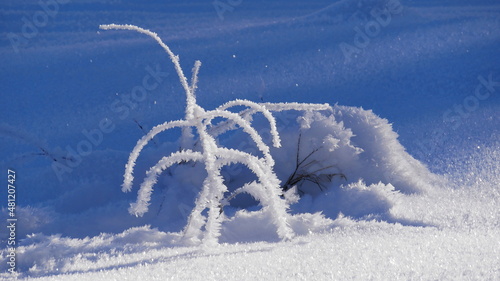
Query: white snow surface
[{"x": 406, "y": 162}]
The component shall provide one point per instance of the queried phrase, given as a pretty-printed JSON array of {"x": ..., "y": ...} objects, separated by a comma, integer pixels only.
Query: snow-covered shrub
[{"x": 266, "y": 189}]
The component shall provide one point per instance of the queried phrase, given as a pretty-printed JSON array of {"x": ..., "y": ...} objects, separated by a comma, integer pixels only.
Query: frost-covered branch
[
  {"x": 190, "y": 98},
  {"x": 247, "y": 128},
  {"x": 129, "y": 167},
  {"x": 228, "y": 125},
  {"x": 257, "y": 108},
  {"x": 268, "y": 191},
  {"x": 194, "y": 77},
  {"x": 144, "y": 195},
  {"x": 284, "y": 106}
]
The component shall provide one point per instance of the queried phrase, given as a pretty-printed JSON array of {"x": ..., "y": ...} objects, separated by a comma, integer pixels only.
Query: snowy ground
[{"x": 421, "y": 206}]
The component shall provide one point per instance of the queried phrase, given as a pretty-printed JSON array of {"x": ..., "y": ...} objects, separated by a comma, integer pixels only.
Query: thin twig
[
  {"x": 296, "y": 177},
  {"x": 144, "y": 131}
]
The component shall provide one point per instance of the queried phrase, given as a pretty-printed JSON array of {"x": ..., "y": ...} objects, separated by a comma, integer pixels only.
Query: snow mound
[
  {"x": 350, "y": 143},
  {"x": 344, "y": 161}
]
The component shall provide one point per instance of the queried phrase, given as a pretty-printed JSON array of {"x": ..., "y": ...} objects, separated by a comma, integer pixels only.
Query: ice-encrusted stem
[
  {"x": 284, "y": 106},
  {"x": 190, "y": 98},
  {"x": 228, "y": 125},
  {"x": 258, "y": 108},
  {"x": 187, "y": 136},
  {"x": 247, "y": 128},
  {"x": 270, "y": 191},
  {"x": 146, "y": 189},
  {"x": 194, "y": 76},
  {"x": 129, "y": 167}
]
